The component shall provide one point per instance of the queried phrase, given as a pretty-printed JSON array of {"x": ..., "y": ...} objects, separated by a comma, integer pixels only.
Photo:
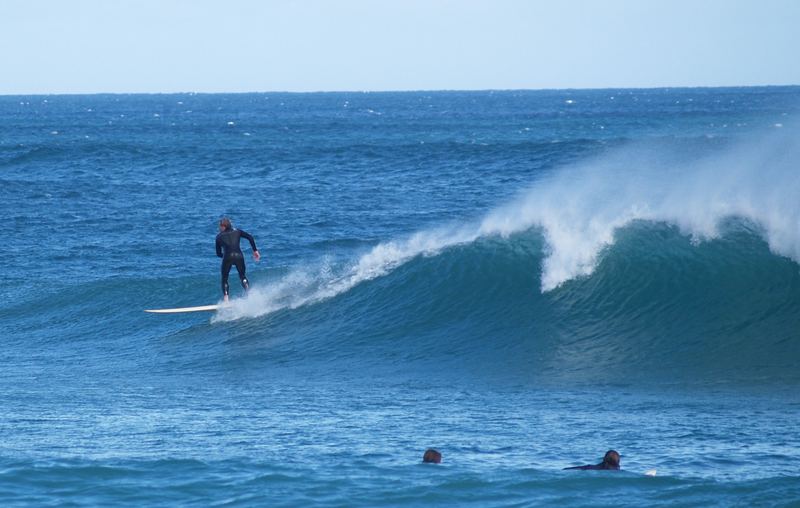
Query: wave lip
[{"x": 580, "y": 209}]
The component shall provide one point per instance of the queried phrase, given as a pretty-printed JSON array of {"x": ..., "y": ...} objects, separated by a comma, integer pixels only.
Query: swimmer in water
[
  {"x": 610, "y": 461},
  {"x": 228, "y": 249},
  {"x": 432, "y": 456}
]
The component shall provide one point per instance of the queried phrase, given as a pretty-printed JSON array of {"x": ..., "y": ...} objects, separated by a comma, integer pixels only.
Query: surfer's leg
[
  {"x": 241, "y": 269},
  {"x": 226, "y": 270}
]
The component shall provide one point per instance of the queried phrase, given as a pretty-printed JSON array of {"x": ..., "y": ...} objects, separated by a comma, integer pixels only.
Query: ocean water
[{"x": 519, "y": 279}]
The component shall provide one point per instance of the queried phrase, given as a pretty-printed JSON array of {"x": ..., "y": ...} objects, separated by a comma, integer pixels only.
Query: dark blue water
[{"x": 522, "y": 280}]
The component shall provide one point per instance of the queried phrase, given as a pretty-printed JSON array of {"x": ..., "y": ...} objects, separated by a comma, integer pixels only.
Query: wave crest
[{"x": 581, "y": 208}]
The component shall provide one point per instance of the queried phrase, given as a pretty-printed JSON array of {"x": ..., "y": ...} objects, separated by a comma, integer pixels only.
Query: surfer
[
  {"x": 228, "y": 249},
  {"x": 610, "y": 461}
]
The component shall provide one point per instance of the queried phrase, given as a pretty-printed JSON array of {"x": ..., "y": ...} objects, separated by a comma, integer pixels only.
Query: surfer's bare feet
[{"x": 225, "y": 298}]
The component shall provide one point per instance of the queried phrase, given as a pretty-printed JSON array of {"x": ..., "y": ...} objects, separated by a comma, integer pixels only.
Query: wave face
[
  {"x": 656, "y": 307},
  {"x": 643, "y": 263}
]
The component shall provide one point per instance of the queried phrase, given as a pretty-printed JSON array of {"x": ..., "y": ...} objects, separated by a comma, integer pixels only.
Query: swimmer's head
[
  {"x": 225, "y": 223},
  {"x": 611, "y": 459},
  {"x": 432, "y": 456}
]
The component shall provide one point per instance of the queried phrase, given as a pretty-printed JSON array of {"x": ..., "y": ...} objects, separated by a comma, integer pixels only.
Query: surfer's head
[
  {"x": 432, "y": 456},
  {"x": 225, "y": 223},
  {"x": 611, "y": 460}
]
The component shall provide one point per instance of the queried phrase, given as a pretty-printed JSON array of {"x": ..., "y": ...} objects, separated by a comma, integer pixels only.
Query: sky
[{"x": 154, "y": 46}]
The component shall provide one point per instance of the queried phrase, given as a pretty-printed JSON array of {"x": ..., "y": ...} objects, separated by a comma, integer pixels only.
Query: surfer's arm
[
  {"x": 219, "y": 248},
  {"x": 252, "y": 241}
]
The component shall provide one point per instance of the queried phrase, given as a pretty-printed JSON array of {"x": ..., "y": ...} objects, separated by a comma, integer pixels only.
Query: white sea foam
[
  {"x": 306, "y": 285},
  {"x": 580, "y": 209}
]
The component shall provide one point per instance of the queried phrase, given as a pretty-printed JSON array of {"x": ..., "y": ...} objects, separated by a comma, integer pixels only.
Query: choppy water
[{"x": 521, "y": 280}]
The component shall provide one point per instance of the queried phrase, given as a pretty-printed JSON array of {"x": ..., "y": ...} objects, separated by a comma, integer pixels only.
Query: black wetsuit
[
  {"x": 610, "y": 462},
  {"x": 230, "y": 252}
]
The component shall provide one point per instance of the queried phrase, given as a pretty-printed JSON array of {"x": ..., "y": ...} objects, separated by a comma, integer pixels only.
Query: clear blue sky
[{"x": 88, "y": 46}]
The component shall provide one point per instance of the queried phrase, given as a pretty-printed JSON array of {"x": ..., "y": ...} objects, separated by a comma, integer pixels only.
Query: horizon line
[{"x": 420, "y": 90}]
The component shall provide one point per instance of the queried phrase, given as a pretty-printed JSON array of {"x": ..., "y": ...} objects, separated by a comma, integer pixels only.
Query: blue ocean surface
[{"x": 522, "y": 280}]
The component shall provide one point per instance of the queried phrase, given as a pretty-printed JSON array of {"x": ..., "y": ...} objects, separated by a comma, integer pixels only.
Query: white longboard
[{"x": 202, "y": 308}]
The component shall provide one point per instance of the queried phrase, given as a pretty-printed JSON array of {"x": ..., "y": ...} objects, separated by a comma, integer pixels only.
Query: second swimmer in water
[{"x": 610, "y": 461}]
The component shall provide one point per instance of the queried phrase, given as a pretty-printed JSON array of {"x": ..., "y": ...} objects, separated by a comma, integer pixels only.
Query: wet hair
[
  {"x": 225, "y": 223},
  {"x": 432, "y": 456},
  {"x": 611, "y": 458}
]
